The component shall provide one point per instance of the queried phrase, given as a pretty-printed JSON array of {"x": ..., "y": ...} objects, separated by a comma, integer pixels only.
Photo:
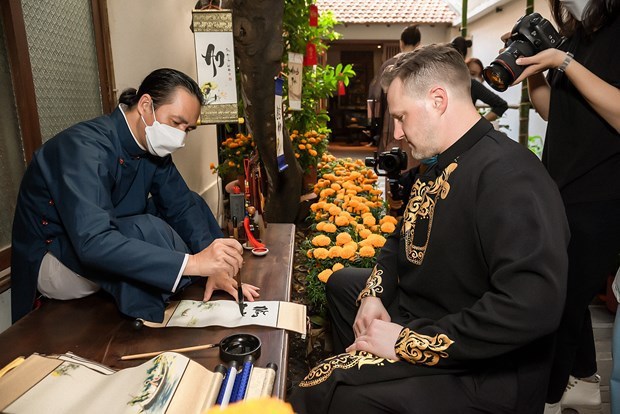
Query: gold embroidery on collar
[
  {"x": 373, "y": 285},
  {"x": 422, "y": 349},
  {"x": 421, "y": 207},
  {"x": 324, "y": 370}
]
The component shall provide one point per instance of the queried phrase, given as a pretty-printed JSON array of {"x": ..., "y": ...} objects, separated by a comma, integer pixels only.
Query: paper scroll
[
  {"x": 197, "y": 314},
  {"x": 215, "y": 62},
  {"x": 170, "y": 383},
  {"x": 279, "y": 87},
  {"x": 295, "y": 69}
]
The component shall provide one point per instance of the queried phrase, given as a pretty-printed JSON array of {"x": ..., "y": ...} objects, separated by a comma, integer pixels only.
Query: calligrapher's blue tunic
[{"x": 85, "y": 199}]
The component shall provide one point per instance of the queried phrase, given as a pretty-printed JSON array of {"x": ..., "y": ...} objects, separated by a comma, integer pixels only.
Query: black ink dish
[{"x": 236, "y": 347}]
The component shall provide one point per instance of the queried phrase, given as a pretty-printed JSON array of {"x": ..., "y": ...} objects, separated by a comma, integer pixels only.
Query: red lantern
[
  {"x": 310, "y": 58},
  {"x": 341, "y": 89},
  {"x": 314, "y": 15}
]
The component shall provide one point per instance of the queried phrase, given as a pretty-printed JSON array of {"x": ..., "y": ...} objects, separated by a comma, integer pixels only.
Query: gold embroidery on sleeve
[
  {"x": 324, "y": 370},
  {"x": 421, "y": 208},
  {"x": 373, "y": 285},
  {"x": 422, "y": 349}
]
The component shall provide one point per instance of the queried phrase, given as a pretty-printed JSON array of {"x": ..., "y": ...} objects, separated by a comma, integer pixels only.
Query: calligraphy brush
[
  {"x": 150, "y": 354},
  {"x": 240, "y": 293}
]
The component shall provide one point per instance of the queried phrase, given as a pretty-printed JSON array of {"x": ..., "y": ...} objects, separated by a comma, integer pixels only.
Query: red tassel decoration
[
  {"x": 310, "y": 58},
  {"x": 314, "y": 15},
  {"x": 341, "y": 89}
]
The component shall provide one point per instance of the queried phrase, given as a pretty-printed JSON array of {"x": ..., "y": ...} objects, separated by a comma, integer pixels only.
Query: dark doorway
[{"x": 348, "y": 111}]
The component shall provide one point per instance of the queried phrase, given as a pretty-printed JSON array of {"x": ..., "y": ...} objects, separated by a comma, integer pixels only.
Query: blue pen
[
  {"x": 223, "y": 398},
  {"x": 242, "y": 381}
]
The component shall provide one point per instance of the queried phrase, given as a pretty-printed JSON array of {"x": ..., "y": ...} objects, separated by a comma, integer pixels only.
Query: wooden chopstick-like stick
[{"x": 152, "y": 354}]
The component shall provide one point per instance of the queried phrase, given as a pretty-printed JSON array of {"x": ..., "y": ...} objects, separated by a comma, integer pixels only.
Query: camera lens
[
  {"x": 499, "y": 77},
  {"x": 503, "y": 71},
  {"x": 389, "y": 163}
]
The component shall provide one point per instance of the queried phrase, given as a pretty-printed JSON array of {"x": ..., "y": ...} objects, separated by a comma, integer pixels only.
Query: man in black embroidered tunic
[{"x": 459, "y": 312}]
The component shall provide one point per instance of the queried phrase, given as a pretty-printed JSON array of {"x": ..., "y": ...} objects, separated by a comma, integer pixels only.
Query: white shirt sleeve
[{"x": 176, "y": 283}]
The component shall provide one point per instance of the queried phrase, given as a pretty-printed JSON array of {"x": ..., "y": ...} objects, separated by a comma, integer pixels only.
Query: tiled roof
[{"x": 389, "y": 11}]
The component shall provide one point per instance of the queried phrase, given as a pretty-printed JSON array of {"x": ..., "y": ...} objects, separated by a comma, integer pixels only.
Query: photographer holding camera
[
  {"x": 458, "y": 314},
  {"x": 580, "y": 99}
]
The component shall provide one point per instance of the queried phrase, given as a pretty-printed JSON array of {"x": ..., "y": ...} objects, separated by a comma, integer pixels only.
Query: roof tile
[{"x": 389, "y": 11}]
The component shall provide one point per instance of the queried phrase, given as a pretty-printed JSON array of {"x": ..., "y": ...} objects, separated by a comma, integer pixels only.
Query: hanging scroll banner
[
  {"x": 282, "y": 165},
  {"x": 215, "y": 61},
  {"x": 295, "y": 68}
]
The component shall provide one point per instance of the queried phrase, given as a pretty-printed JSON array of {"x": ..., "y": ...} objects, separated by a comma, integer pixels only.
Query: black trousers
[
  {"x": 492, "y": 388},
  {"x": 592, "y": 256}
]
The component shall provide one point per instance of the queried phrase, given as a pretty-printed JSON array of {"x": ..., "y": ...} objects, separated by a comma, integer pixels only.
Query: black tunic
[
  {"x": 477, "y": 266},
  {"x": 582, "y": 151}
]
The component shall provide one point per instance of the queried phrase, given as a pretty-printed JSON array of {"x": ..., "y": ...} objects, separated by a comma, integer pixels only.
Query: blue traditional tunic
[{"x": 84, "y": 197}]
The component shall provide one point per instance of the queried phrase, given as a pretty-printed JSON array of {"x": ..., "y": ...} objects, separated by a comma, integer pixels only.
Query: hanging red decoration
[
  {"x": 341, "y": 89},
  {"x": 314, "y": 15},
  {"x": 310, "y": 58}
]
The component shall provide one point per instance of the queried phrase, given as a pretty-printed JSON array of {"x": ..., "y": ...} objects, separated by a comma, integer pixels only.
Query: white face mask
[
  {"x": 162, "y": 139},
  {"x": 575, "y": 7}
]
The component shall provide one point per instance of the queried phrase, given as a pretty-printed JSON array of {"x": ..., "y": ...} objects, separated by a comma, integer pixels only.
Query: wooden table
[{"x": 93, "y": 327}]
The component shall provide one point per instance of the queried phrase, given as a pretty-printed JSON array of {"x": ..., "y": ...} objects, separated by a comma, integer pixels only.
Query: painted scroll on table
[
  {"x": 169, "y": 383},
  {"x": 198, "y": 314}
]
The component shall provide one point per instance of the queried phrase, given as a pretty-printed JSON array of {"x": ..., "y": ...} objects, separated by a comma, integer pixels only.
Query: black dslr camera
[
  {"x": 531, "y": 34},
  {"x": 390, "y": 164}
]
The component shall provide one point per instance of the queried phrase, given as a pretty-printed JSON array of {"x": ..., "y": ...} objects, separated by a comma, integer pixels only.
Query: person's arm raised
[{"x": 603, "y": 97}]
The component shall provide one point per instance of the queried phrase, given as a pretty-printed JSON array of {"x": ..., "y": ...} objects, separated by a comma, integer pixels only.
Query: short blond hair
[{"x": 428, "y": 65}]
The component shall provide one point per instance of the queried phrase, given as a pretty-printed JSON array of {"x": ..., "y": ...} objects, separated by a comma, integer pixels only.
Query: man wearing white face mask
[
  {"x": 162, "y": 139},
  {"x": 103, "y": 207},
  {"x": 580, "y": 98}
]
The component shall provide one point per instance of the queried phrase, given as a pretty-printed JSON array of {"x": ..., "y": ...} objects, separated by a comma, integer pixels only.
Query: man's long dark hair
[
  {"x": 161, "y": 85},
  {"x": 598, "y": 13}
]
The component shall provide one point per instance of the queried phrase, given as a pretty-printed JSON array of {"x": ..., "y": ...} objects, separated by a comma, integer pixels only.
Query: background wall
[
  {"x": 150, "y": 34},
  {"x": 430, "y": 33}
]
